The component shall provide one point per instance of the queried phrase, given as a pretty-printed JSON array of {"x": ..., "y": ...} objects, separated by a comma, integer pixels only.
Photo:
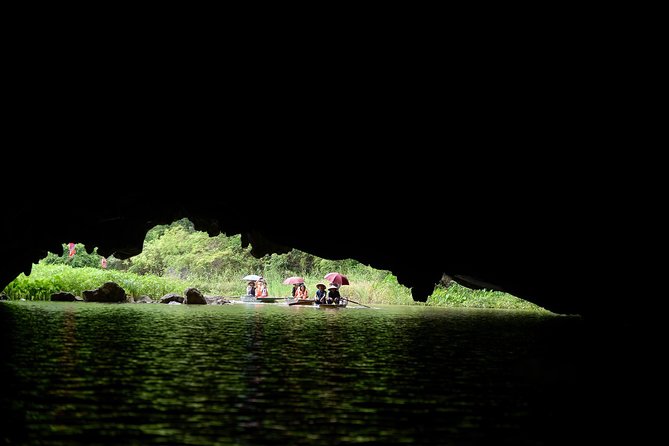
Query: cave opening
[
  {"x": 175, "y": 256},
  {"x": 522, "y": 380},
  {"x": 418, "y": 251}
]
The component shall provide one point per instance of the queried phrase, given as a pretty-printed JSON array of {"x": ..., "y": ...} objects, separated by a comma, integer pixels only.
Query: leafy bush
[
  {"x": 80, "y": 259},
  {"x": 456, "y": 295}
]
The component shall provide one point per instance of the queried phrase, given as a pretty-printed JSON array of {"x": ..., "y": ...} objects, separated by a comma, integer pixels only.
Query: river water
[{"x": 133, "y": 374}]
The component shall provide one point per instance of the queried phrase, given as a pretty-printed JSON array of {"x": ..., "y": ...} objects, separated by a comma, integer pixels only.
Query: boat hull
[
  {"x": 331, "y": 305},
  {"x": 302, "y": 302},
  {"x": 257, "y": 300},
  {"x": 311, "y": 303}
]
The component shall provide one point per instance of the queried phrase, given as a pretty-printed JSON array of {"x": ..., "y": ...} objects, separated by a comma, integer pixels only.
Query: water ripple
[{"x": 270, "y": 374}]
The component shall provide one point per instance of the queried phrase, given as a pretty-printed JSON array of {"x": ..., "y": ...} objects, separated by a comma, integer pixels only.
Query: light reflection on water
[{"x": 82, "y": 373}]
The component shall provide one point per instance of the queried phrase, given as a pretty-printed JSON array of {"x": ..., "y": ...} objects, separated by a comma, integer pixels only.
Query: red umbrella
[
  {"x": 292, "y": 280},
  {"x": 337, "y": 278}
]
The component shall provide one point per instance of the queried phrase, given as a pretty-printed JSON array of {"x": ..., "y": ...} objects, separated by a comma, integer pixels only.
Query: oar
[{"x": 357, "y": 302}]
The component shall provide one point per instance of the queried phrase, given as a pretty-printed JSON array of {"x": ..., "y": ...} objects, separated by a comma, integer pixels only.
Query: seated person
[
  {"x": 302, "y": 292},
  {"x": 320, "y": 293},
  {"x": 333, "y": 294},
  {"x": 294, "y": 290},
  {"x": 251, "y": 288},
  {"x": 261, "y": 289}
]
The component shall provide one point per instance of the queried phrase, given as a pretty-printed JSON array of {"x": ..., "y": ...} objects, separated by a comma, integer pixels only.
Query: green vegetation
[
  {"x": 45, "y": 280},
  {"x": 458, "y": 296},
  {"x": 81, "y": 259},
  {"x": 176, "y": 256}
]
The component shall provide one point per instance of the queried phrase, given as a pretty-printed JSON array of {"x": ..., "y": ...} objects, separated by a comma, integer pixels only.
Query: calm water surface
[{"x": 84, "y": 373}]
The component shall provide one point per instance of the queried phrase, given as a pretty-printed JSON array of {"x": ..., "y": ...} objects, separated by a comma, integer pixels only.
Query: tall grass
[{"x": 44, "y": 280}]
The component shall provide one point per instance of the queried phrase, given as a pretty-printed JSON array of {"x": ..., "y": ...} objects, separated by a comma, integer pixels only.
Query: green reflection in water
[{"x": 85, "y": 373}]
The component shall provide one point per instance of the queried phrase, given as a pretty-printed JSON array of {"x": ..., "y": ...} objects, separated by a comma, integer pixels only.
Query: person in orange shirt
[
  {"x": 261, "y": 288},
  {"x": 301, "y": 292}
]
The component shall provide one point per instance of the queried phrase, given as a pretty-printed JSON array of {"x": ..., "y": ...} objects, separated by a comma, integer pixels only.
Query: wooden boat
[
  {"x": 312, "y": 303},
  {"x": 341, "y": 305},
  {"x": 301, "y": 302},
  {"x": 256, "y": 300}
]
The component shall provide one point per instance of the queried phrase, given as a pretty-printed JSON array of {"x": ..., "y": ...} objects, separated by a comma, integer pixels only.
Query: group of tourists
[
  {"x": 258, "y": 288},
  {"x": 322, "y": 297}
]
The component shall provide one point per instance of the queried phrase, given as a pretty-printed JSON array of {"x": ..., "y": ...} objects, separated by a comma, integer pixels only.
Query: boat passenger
[
  {"x": 302, "y": 292},
  {"x": 251, "y": 288},
  {"x": 320, "y": 293},
  {"x": 261, "y": 288},
  {"x": 333, "y": 294}
]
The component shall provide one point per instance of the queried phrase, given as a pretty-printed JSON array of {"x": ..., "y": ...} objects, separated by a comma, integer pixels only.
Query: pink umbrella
[
  {"x": 292, "y": 280},
  {"x": 337, "y": 278}
]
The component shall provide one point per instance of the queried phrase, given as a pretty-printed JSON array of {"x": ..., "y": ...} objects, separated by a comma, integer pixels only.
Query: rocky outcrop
[
  {"x": 63, "y": 296},
  {"x": 109, "y": 292},
  {"x": 217, "y": 300},
  {"x": 143, "y": 300},
  {"x": 171, "y": 297},
  {"x": 194, "y": 297}
]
